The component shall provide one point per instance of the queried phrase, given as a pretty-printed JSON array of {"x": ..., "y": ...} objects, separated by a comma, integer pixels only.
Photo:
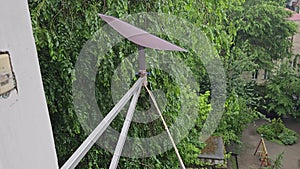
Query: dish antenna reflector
[{"x": 139, "y": 36}]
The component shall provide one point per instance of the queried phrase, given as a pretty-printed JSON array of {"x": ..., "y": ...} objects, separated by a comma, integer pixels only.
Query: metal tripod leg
[
  {"x": 98, "y": 131},
  {"x": 125, "y": 128}
]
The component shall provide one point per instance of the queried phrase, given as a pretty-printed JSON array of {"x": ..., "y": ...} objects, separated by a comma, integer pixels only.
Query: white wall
[{"x": 26, "y": 140}]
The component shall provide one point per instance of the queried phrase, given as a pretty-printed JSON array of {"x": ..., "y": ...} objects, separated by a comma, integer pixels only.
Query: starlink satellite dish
[
  {"x": 139, "y": 36},
  {"x": 142, "y": 39}
]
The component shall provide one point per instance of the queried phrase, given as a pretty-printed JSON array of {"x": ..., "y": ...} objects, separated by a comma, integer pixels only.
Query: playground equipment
[{"x": 263, "y": 153}]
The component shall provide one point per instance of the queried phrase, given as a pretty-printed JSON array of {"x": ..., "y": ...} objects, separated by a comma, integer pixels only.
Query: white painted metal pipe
[
  {"x": 99, "y": 130},
  {"x": 122, "y": 138}
]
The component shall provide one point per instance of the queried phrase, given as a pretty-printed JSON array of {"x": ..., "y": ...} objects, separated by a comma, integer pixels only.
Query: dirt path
[{"x": 250, "y": 139}]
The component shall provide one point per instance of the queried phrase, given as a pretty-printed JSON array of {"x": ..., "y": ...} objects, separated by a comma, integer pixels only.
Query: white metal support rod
[
  {"x": 98, "y": 131},
  {"x": 166, "y": 127},
  {"x": 122, "y": 138}
]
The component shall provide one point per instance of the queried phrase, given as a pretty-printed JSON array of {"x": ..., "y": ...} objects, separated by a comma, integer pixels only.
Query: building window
[
  {"x": 255, "y": 75},
  {"x": 266, "y": 75}
]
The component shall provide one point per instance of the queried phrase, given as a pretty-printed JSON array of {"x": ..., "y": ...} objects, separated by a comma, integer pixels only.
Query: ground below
[{"x": 250, "y": 140}]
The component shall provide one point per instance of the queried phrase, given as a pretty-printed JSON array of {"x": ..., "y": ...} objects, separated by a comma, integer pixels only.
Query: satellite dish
[
  {"x": 142, "y": 39},
  {"x": 139, "y": 36}
]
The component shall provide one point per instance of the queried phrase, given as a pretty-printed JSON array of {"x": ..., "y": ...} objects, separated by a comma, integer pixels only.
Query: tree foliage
[{"x": 283, "y": 91}]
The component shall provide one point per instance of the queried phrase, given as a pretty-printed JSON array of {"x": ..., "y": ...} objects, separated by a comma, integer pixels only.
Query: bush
[
  {"x": 277, "y": 132},
  {"x": 288, "y": 137}
]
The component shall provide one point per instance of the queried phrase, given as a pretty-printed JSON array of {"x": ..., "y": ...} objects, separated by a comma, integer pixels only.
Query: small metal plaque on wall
[{"x": 7, "y": 81}]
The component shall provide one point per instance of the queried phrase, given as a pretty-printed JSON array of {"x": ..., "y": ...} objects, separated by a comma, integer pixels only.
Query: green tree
[
  {"x": 264, "y": 41},
  {"x": 261, "y": 38},
  {"x": 283, "y": 90}
]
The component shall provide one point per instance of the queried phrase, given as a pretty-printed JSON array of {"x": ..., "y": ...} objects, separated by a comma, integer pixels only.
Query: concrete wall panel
[{"x": 26, "y": 140}]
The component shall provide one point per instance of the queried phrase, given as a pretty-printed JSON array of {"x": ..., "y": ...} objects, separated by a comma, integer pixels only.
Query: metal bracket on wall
[{"x": 7, "y": 78}]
